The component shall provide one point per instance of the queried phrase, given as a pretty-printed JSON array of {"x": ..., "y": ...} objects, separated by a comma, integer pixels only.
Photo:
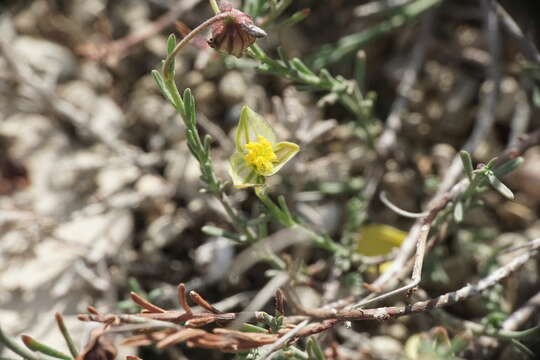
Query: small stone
[
  {"x": 308, "y": 297},
  {"x": 80, "y": 94},
  {"x": 232, "y": 88},
  {"x": 385, "y": 347},
  {"x": 214, "y": 258},
  {"x": 53, "y": 61},
  {"x": 397, "y": 331},
  {"x": 96, "y": 75},
  {"x": 164, "y": 230},
  {"x": 111, "y": 180},
  {"x": 108, "y": 119},
  {"x": 527, "y": 177},
  {"x": 206, "y": 92},
  {"x": 154, "y": 186}
]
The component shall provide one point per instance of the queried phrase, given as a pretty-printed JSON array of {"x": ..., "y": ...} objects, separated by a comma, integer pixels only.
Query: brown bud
[{"x": 235, "y": 33}]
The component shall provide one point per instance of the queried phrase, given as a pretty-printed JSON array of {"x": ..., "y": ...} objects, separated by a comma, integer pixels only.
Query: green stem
[
  {"x": 16, "y": 348},
  {"x": 215, "y": 7},
  {"x": 65, "y": 333},
  {"x": 276, "y": 12},
  {"x": 187, "y": 39},
  {"x": 35, "y": 345},
  {"x": 238, "y": 222},
  {"x": 285, "y": 218}
]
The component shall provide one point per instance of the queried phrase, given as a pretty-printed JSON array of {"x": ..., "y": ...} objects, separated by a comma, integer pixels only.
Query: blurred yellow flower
[
  {"x": 258, "y": 152},
  {"x": 377, "y": 240}
]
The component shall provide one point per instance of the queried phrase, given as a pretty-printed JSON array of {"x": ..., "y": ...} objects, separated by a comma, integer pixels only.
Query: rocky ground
[{"x": 97, "y": 185}]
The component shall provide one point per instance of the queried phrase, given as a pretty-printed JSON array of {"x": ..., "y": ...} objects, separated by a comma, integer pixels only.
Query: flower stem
[
  {"x": 188, "y": 38},
  {"x": 215, "y": 7},
  {"x": 65, "y": 333},
  {"x": 285, "y": 218},
  {"x": 16, "y": 348}
]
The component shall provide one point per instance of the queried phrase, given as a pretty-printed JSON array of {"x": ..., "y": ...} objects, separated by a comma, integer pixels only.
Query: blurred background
[{"x": 99, "y": 194}]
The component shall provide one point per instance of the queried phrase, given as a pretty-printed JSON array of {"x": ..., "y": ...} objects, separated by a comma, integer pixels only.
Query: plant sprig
[
  {"x": 199, "y": 146},
  {"x": 479, "y": 180},
  {"x": 338, "y": 89}
]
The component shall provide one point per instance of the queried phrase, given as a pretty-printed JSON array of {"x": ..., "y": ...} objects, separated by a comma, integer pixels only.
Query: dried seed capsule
[{"x": 235, "y": 33}]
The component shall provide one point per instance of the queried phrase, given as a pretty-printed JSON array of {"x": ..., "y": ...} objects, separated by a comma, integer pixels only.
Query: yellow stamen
[{"x": 260, "y": 155}]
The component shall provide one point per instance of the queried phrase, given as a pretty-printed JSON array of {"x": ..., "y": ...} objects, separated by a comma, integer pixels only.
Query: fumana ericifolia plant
[{"x": 258, "y": 153}]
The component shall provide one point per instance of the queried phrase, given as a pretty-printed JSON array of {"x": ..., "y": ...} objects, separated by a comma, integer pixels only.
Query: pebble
[
  {"x": 232, "y": 88},
  {"x": 53, "y": 61}
]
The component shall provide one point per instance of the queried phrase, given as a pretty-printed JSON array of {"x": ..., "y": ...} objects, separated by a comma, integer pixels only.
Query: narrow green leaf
[
  {"x": 161, "y": 84},
  {"x": 44, "y": 349},
  {"x": 218, "y": 232},
  {"x": 171, "y": 43},
  {"x": 283, "y": 204},
  {"x": 301, "y": 67},
  {"x": 189, "y": 106},
  {"x": 314, "y": 350},
  {"x": 208, "y": 140},
  {"x": 467, "y": 163},
  {"x": 458, "y": 212},
  {"x": 523, "y": 349},
  {"x": 193, "y": 145},
  {"x": 212, "y": 230},
  {"x": 508, "y": 167},
  {"x": 491, "y": 163},
  {"x": 331, "y": 53},
  {"x": 360, "y": 70},
  {"x": 295, "y": 18},
  {"x": 16, "y": 347},
  {"x": 325, "y": 75},
  {"x": 499, "y": 186},
  {"x": 283, "y": 57},
  {"x": 253, "y": 328},
  {"x": 536, "y": 97},
  {"x": 258, "y": 51},
  {"x": 67, "y": 336},
  {"x": 159, "y": 80}
]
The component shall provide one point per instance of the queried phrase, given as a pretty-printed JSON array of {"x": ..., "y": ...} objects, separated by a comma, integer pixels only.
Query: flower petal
[
  {"x": 243, "y": 174},
  {"x": 284, "y": 151},
  {"x": 378, "y": 239},
  {"x": 250, "y": 126}
]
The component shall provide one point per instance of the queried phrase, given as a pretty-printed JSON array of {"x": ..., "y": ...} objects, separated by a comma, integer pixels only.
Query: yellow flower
[
  {"x": 258, "y": 153},
  {"x": 376, "y": 240}
]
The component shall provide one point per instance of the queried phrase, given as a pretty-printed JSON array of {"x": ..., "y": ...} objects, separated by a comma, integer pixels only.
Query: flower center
[{"x": 260, "y": 155}]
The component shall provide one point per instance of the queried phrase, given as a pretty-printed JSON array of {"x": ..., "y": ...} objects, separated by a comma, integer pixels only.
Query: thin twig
[
  {"x": 521, "y": 118},
  {"x": 386, "y": 313},
  {"x": 262, "y": 297},
  {"x": 384, "y": 199},
  {"x": 528, "y": 46},
  {"x": 524, "y": 313},
  {"x": 282, "y": 340}
]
